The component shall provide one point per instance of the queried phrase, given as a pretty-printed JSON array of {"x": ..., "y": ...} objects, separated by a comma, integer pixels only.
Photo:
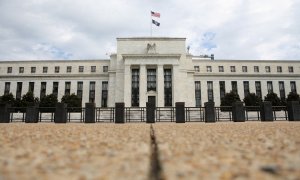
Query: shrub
[
  {"x": 292, "y": 96},
  {"x": 252, "y": 100},
  {"x": 48, "y": 103},
  {"x": 73, "y": 102},
  {"x": 228, "y": 100}
]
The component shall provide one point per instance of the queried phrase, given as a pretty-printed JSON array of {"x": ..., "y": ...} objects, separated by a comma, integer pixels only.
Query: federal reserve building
[{"x": 150, "y": 69}]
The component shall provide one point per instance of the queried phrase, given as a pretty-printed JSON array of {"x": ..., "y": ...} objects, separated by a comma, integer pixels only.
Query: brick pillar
[
  {"x": 180, "y": 112},
  {"x": 238, "y": 112},
  {"x": 4, "y": 113},
  {"x": 266, "y": 112},
  {"x": 60, "y": 115},
  {"x": 119, "y": 113},
  {"x": 90, "y": 113},
  {"x": 293, "y": 108},
  {"x": 210, "y": 115},
  {"x": 32, "y": 114}
]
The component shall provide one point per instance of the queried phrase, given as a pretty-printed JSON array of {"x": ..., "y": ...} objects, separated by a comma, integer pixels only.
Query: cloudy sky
[{"x": 87, "y": 29}]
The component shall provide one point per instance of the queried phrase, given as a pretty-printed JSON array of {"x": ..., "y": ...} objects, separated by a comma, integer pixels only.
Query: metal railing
[
  {"x": 46, "y": 114},
  {"x": 105, "y": 114},
  {"x": 17, "y": 114},
  {"x": 194, "y": 114},
  {"x": 252, "y": 113},
  {"x": 135, "y": 114},
  {"x": 73, "y": 111},
  {"x": 223, "y": 113},
  {"x": 280, "y": 113},
  {"x": 164, "y": 114}
]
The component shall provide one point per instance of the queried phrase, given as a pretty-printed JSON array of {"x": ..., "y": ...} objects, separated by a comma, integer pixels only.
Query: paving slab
[
  {"x": 74, "y": 151},
  {"x": 247, "y": 150}
]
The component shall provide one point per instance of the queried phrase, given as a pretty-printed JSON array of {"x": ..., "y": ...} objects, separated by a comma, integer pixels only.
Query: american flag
[{"x": 155, "y": 14}]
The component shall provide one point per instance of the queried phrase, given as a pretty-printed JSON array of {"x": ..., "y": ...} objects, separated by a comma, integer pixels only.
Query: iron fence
[
  {"x": 17, "y": 114},
  {"x": 252, "y": 113},
  {"x": 194, "y": 114},
  {"x": 74, "y": 112},
  {"x": 280, "y": 113},
  {"x": 164, "y": 114},
  {"x": 223, "y": 113},
  {"x": 106, "y": 114},
  {"x": 46, "y": 114},
  {"x": 135, "y": 114}
]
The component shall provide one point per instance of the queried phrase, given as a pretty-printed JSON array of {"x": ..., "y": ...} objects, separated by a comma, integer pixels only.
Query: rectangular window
[
  {"x": 208, "y": 69},
  {"x": 21, "y": 69},
  {"x": 246, "y": 88},
  {"x": 291, "y": 69},
  {"x": 45, "y": 69},
  {"x": 93, "y": 68},
  {"x": 19, "y": 90},
  {"x": 210, "y": 91},
  {"x": 279, "y": 69},
  {"x": 222, "y": 89},
  {"x": 234, "y": 87},
  {"x": 268, "y": 69},
  {"x": 270, "y": 87},
  {"x": 232, "y": 68},
  {"x": 198, "y": 93},
  {"x": 79, "y": 89},
  {"x": 56, "y": 69},
  {"x": 104, "y": 93},
  {"x": 92, "y": 91},
  {"x": 67, "y": 88},
  {"x": 281, "y": 90},
  {"x": 293, "y": 87},
  {"x": 31, "y": 87},
  {"x": 135, "y": 87},
  {"x": 105, "y": 68},
  {"x": 7, "y": 88},
  {"x": 258, "y": 88},
  {"x": 55, "y": 89},
  {"x": 69, "y": 69},
  {"x": 244, "y": 69},
  {"x": 43, "y": 89},
  {"x": 9, "y": 70},
  {"x": 151, "y": 79},
  {"x": 33, "y": 69},
  {"x": 221, "y": 68},
  {"x": 168, "y": 87},
  {"x": 256, "y": 69},
  {"x": 196, "y": 68},
  {"x": 81, "y": 68}
]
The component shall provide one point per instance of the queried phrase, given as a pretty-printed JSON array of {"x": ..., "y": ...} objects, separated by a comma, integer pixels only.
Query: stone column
[
  {"x": 119, "y": 113},
  {"x": 60, "y": 115},
  {"x": 90, "y": 112},
  {"x": 293, "y": 108},
  {"x": 238, "y": 112},
  {"x": 160, "y": 86},
  {"x": 127, "y": 86},
  {"x": 180, "y": 112},
  {"x": 143, "y": 85},
  {"x": 266, "y": 112},
  {"x": 32, "y": 114},
  {"x": 4, "y": 113},
  {"x": 210, "y": 115}
]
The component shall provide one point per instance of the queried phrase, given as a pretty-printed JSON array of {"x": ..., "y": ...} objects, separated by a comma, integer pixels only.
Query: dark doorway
[{"x": 151, "y": 99}]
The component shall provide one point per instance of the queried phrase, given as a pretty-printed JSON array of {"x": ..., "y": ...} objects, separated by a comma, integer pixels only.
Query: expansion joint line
[{"x": 156, "y": 170}]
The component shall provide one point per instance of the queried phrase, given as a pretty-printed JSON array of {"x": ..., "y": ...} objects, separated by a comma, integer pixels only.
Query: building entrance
[{"x": 151, "y": 99}]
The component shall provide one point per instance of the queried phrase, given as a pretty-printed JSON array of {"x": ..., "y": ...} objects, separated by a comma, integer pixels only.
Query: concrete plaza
[{"x": 250, "y": 150}]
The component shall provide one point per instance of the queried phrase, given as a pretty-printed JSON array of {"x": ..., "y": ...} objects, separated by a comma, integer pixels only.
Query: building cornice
[
  {"x": 151, "y": 39},
  {"x": 55, "y": 76},
  {"x": 246, "y": 75},
  {"x": 55, "y": 61},
  {"x": 151, "y": 56}
]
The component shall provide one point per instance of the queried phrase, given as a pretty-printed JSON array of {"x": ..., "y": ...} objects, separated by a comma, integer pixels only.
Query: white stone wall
[{"x": 132, "y": 52}]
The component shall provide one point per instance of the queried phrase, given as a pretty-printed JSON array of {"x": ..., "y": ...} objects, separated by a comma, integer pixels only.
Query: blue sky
[{"x": 68, "y": 29}]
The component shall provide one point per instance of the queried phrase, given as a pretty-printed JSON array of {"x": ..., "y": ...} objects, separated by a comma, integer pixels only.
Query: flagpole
[{"x": 150, "y": 24}]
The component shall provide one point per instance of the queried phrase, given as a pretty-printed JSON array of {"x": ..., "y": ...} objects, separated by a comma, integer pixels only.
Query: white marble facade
[{"x": 150, "y": 53}]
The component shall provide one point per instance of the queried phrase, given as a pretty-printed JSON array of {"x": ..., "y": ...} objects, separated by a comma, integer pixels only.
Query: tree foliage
[
  {"x": 292, "y": 96},
  {"x": 272, "y": 97},
  {"x": 73, "y": 102},
  {"x": 228, "y": 100},
  {"x": 48, "y": 103},
  {"x": 7, "y": 99},
  {"x": 28, "y": 99},
  {"x": 252, "y": 100}
]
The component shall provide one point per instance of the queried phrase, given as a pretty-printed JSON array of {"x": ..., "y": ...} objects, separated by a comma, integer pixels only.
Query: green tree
[
  {"x": 73, "y": 102},
  {"x": 292, "y": 96},
  {"x": 252, "y": 100},
  {"x": 7, "y": 99},
  {"x": 48, "y": 103},
  {"x": 228, "y": 100},
  {"x": 273, "y": 98},
  {"x": 28, "y": 99}
]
